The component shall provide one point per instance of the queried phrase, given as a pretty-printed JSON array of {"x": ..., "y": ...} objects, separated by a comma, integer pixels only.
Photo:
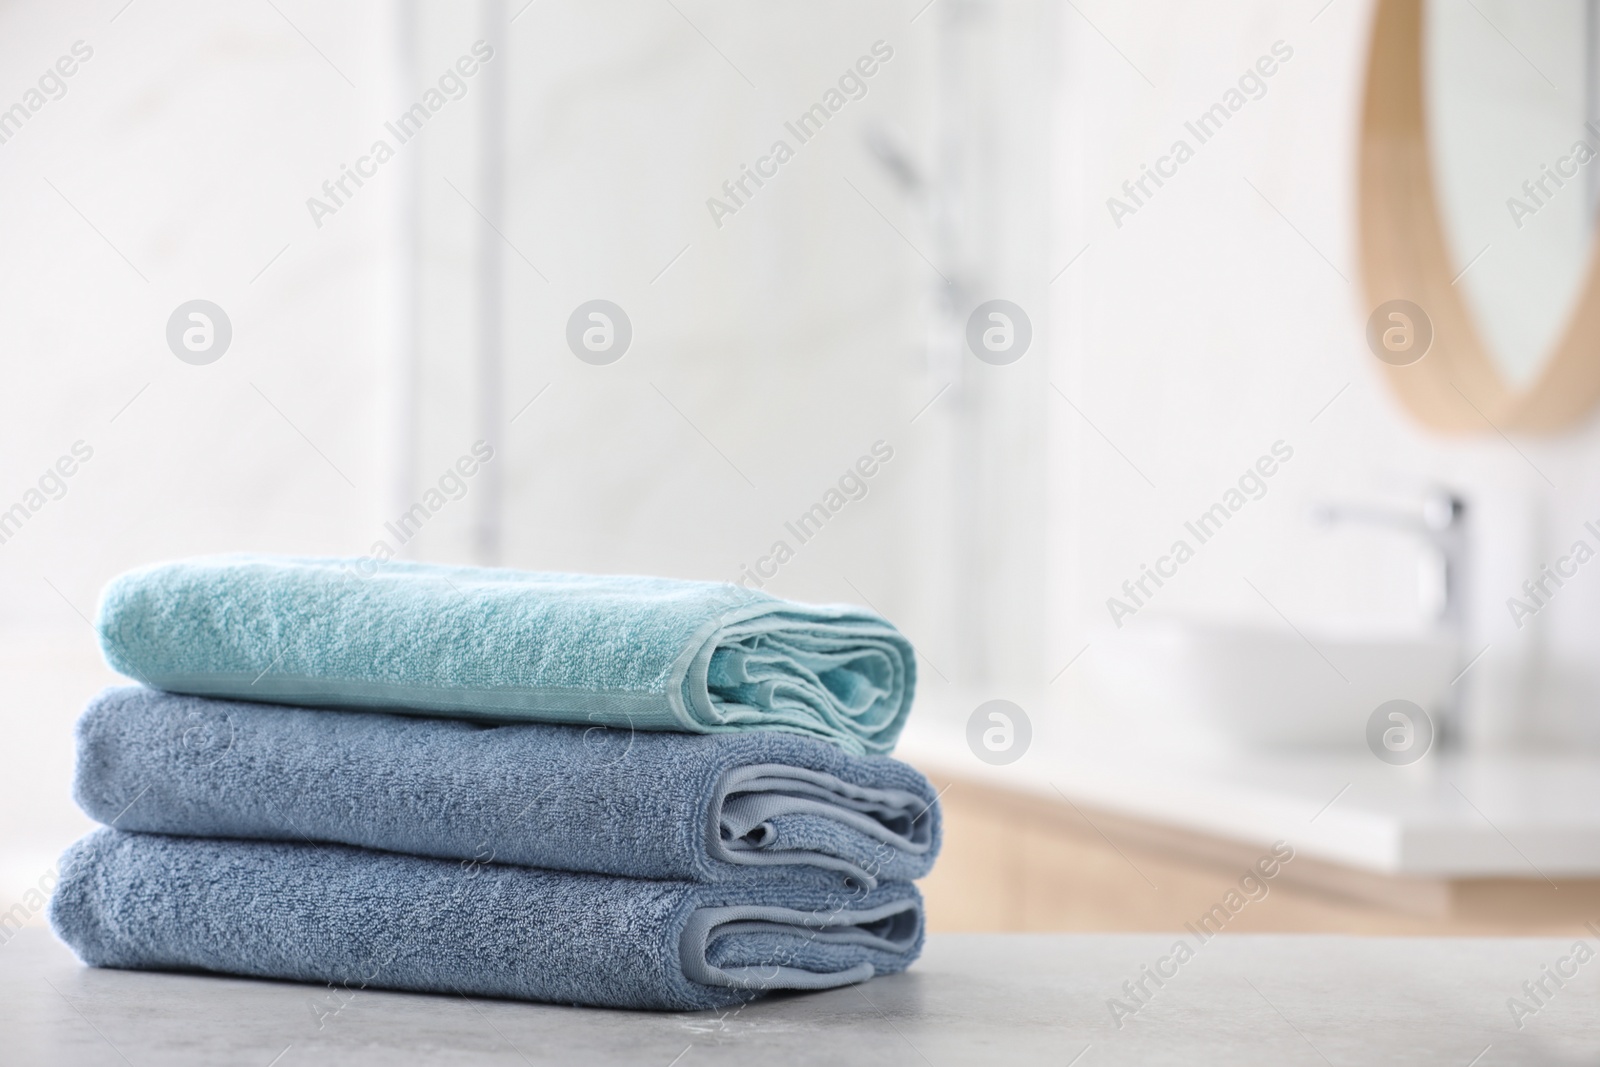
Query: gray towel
[
  {"x": 360, "y": 919},
  {"x": 696, "y": 807}
]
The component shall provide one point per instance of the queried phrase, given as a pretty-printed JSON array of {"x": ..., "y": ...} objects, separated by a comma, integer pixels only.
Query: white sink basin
[{"x": 1262, "y": 688}]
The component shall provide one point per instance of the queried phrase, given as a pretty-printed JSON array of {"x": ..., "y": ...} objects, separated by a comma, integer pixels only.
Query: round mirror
[
  {"x": 1506, "y": 86},
  {"x": 1480, "y": 170}
]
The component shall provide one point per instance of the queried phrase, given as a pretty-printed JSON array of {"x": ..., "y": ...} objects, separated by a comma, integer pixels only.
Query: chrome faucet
[{"x": 1441, "y": 524}]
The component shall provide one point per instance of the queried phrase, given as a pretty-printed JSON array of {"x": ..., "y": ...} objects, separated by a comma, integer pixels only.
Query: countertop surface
[
  {"x": 1507, "y": 815},
  {"x": 1009, "y": 998}
]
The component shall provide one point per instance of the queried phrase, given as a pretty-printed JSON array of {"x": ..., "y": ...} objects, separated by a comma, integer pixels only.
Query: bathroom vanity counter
[
  {"x": 1445, "y": 817},
  {"x": 1015, "y": 999},
  {"x": 1079, "y": 832}
]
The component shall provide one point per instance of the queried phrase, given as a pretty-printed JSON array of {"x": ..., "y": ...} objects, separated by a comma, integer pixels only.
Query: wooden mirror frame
[{"x": 1456, "y": 386}]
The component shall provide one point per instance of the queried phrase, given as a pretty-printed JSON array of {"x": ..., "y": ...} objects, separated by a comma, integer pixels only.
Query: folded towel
[
  {"x": 730, "y": 807},
  {"x": 650, "y": 653},
  {"x": 346, "y": 916}
]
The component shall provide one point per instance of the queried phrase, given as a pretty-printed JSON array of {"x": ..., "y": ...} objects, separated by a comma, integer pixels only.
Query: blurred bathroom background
[{"x": 783, "y": 328}]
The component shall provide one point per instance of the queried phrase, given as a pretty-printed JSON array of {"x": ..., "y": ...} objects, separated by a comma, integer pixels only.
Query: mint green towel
[{"x": 471, "y": 642}]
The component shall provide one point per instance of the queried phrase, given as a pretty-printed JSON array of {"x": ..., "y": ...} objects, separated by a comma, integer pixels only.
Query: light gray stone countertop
[{"x": 1000, "y": 999}]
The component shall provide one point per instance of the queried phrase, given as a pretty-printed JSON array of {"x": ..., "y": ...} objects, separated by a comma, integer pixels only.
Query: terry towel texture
[
  {"x": 650, "y": 653},
  {"x": 329, "y": 913},
  {"x": 725, "y": 808}
]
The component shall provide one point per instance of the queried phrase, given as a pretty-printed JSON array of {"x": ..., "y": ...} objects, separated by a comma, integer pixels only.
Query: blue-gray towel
[
  {"x": 359, "y": 919},
  {"x": 648, "y": 653},
  {"x": 721, "y": 808}
]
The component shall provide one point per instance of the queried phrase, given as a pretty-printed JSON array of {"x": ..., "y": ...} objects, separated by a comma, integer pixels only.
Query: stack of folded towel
[{"x": 632, "y": 792}]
